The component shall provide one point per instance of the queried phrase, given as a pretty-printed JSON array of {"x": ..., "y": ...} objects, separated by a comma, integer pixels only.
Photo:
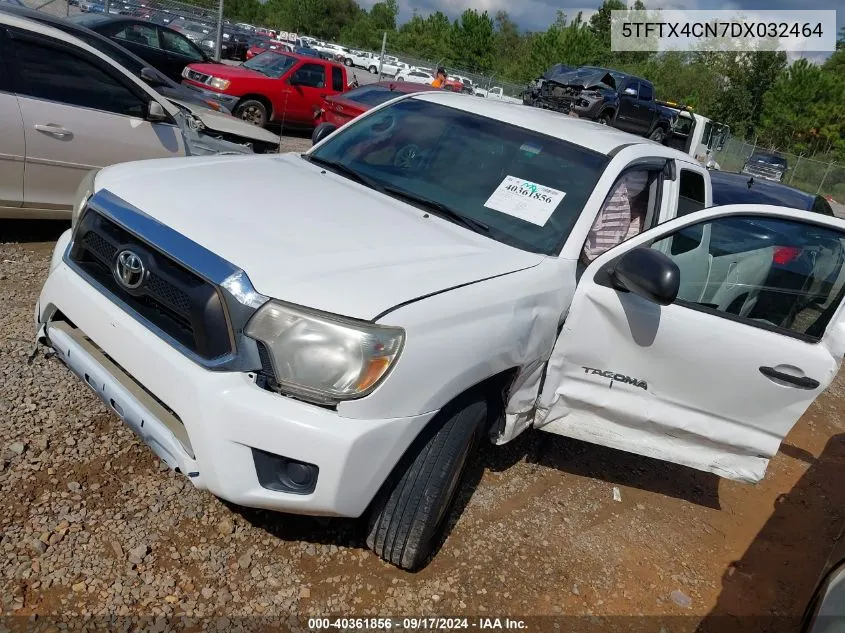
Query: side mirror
[
  {"x": 321, "y": 132},
  {"x": 151, "y": 77},
  {"x": 648, "y": 273},
  {"x": 631, "y": 92},
  {"x": 156, "y": 113}
]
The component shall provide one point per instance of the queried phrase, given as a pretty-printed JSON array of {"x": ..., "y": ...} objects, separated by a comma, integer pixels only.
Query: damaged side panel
[{"x": 673, "y": 383}]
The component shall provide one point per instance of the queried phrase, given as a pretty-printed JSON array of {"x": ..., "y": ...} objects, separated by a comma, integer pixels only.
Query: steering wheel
[{"x": 409, "y": 156}]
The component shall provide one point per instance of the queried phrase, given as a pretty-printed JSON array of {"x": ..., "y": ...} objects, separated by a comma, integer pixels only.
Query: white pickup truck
[
  {"x": 498, "y": 93},
  {"x": 346, "y": 361}
]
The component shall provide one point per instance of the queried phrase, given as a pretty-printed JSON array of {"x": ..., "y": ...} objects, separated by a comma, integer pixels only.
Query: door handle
[
  {"x": 52, "y": 128},
  {"x": 803, "y": 382}
]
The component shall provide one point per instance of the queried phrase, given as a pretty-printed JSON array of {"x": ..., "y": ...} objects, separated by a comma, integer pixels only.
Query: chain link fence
[
  {"x": 808, "y": 174},
  {"x": 199, "y": 21},
  {"x": 479, "y": 81}
]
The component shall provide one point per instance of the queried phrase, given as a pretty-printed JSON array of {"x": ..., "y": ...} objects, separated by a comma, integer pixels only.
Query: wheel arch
[
  {"x": 260, "y": 98},
  {"x": 493, "y": 389}
]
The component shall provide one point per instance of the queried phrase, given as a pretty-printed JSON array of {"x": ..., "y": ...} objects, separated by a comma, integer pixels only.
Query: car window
[
  {"x": 177, "y": 43},
  {"x": 820, "y": 205},
  {"x": 119, "y": 54},
  {"x": 312, "y": 75},
  {"x": 337, "y": 79},
  {"x": 139, "y": 34},
  {"x": 691, "y": 196},
  {"x": 646, "y": 92},
  {"x": 629, "y": 208},
  {"x": 370, "y": 95},
  {"x": 56, "y": 75},
  {"x": 775, "y": 273},
  {"x": 418, "y": 147},
  {"x": 271, "y": 64}
]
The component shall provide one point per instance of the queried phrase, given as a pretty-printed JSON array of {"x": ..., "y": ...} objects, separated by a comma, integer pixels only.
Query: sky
[{"x": 538, "y": 14}]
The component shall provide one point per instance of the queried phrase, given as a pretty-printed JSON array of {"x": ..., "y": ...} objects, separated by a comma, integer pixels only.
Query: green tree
[
  {"x": 805, "y": 110},
  {"x": 572, "y": 43},
  {"x": 383, "y": 15},
  {"x": 472, "y": 40}
]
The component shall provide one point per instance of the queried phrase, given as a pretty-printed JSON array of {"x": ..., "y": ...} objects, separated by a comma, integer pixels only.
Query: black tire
[
  {"x": 604, "y": 118},
  {"x": 373, "y": 70},
  {"x": 658, "y": 135},
  {"x": 252, "y": 111},
  {"x": 400, "y": 78},
  {"x": 410, "y": 511},
  {"x": 348, "y": 62}
]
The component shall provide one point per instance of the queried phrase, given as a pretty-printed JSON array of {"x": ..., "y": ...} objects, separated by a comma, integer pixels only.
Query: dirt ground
[{"x": 92, "y": 525}]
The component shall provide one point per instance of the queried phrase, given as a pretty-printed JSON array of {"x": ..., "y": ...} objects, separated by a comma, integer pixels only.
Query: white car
[
  {"x": 496, "y": 93},
  {"x": 415, "y": 76},
  {"x": 361, "y": 59},
  {"x": 347, "y": 360},
  {"x": 74, "y": 109}
]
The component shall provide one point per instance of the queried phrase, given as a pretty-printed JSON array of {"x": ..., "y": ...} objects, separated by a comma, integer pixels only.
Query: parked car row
[{"x": 72, "y": 100}]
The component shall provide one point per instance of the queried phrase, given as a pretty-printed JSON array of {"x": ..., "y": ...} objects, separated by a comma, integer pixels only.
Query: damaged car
[
  {"x": 67, "y": 108},
  {"x": 587, "y": 92},
  {"x": 606, "y": 96}
]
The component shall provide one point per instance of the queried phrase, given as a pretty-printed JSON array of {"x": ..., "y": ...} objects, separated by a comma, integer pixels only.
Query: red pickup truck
[{"x": 281, "y": 87}]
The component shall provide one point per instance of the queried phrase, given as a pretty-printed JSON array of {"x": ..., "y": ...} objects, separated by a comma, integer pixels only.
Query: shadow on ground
[
  {"x": 768, "y": 589},
  {"x": 24, "y": 231}
]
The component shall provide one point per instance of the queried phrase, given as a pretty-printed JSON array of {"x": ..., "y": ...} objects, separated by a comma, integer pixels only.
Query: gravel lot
[{"x": 93, "y": 524}]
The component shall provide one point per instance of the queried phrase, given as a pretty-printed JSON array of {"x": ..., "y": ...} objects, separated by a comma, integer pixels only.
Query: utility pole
[
  {"x": 218, "y": 45},
  {"x": 381, "y": 59}
]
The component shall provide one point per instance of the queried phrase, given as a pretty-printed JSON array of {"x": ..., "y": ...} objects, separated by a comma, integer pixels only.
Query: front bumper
[
  {"x": 227, "y": 101},
  {"x": 206, "y": 423}
]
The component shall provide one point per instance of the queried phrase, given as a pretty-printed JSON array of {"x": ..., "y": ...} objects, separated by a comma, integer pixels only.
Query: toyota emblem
[{"x": 129, "y": 270}]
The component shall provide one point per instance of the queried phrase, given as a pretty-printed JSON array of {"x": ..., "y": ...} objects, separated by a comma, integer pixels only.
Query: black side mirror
[
  {"x": 321, "y": 132},
  {"x": 647, "y": 273},
  {"x": 151, "y": 77}
]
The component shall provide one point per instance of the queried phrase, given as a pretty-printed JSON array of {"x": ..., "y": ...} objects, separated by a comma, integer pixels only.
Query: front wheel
[
  {"x": 374, "y": 70},
  {"x": 252, "y": 111},
  {"x": 658, "y": 135},
  {"x": 604, "y": 118},
  {"x": 348, "y": 62},
  {"x": 409, "y": 514}
]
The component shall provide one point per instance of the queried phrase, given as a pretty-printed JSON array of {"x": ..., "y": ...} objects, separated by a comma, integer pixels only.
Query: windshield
[
  {"x": 769, "y": 159},
  {"x": 371, "y": 95},
  {"x": 271, "y": 64},
  {"x": 526, "y": 187}
]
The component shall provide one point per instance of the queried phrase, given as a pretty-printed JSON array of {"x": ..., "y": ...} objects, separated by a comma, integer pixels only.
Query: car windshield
[
  {"x": 769, "y": 159},
  {"x": 370, "y": 95},
  {"x": 526, "y": 187},
  {"x": 271, "y": 64}
]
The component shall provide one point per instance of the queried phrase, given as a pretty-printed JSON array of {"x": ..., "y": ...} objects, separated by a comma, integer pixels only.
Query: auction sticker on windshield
[{"x": 525, "y": 200}]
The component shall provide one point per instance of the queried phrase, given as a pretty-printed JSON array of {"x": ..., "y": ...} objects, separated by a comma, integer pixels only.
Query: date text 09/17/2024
[{"x": 416, "y": 624}]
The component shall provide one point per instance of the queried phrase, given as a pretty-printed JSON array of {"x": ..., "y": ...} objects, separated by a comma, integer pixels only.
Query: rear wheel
[
  {"x": 252, "y": 111},
  {"x": 410, "y": 512}
]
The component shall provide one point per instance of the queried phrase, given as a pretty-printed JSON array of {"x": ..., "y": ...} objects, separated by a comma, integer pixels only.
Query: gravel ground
[{"x": 93, "y": 524}]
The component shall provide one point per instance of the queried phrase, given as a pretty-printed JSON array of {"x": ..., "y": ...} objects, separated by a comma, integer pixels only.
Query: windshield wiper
[
  {"x": 438, "y": 208},
  {"x": 343, "y": 170}
]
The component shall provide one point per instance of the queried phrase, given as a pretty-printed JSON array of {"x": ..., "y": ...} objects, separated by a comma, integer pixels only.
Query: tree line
[{"x": 798, "y": 107}]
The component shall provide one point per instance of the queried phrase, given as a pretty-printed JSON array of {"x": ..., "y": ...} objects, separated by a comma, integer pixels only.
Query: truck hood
[
  {"x": 226, "y": 123},
  {"x": 308, "y": 236},
  {"x": 584, "y": 80},
  {"x": 225, "y": 71}
]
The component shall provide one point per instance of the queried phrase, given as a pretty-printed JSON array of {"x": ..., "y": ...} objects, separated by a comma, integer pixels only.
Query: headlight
[
  {"x": 324, "y": 358},
  {"x": 220, "y": 84},
  {"x": 83, "y": 194}
]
